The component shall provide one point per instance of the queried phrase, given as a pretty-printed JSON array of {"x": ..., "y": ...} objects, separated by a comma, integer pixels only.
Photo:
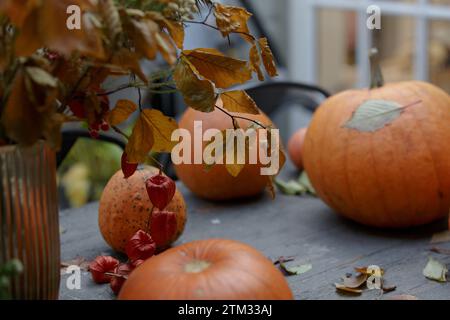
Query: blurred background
[{"x": 321, "y": 47}]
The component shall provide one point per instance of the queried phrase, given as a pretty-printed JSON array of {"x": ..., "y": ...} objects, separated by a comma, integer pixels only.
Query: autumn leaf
[
  {"x": 271, "y": 186},
  {"x": 295, "y": 270},
  {"x": 355, "y": 282},
  {"x": 162, "y": 128},
  {"x": 255, "y": 61},
  {"x": 341, "y": 287},
  {"x": 166, "y": 47},
  {"x": 231, "y": 19},
  {"x": 239, "y": 101},
  {"x": 141, "y": 141},
  {"x": 198, "y": 94},
  {"x": 22, "y": 122},
  {"x": 435, "y": 270},
  {"x": 220, "y": 69},
  {"x": 267, "y": 57},
  {"x": 127, "y": 60},
  {"x": 440, "y": 237},
  {"x": 45, "y": 26},
  {"x": 18, "y": 10},
  {"x": 175, "y": 28},
  {"x": 121, "y": 112},
  {"x": 142, "y": 32}
]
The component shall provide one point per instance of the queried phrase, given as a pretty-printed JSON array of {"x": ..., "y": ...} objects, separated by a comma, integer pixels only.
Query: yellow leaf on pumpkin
[
  {"x": 141, "y": 141},
  {"x": 239, "y": 101},
  {"x": 162, "y": 127},
  {"x": 197, "y": 93}
]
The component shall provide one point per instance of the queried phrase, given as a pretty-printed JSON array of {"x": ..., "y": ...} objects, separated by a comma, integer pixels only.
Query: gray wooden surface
[{"x": 289, "y": 226}]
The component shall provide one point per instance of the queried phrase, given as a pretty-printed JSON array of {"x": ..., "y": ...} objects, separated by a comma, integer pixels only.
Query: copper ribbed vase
[{"x": 29, "y": 226}]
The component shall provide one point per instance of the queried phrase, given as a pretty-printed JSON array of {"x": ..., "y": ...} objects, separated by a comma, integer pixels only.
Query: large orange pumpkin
[
  {"x": 207, "y": 270},
  {"x": 125, "y": 207},
  {"x": 216, "y": 183},
  {"x": 395, "y": 175}
]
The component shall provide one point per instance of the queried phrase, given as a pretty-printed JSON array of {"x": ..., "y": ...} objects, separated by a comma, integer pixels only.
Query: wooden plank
[{"x": 289, "y": 226}]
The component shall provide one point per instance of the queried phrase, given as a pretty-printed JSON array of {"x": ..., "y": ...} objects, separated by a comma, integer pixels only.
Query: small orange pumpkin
[
  {"x": 207, "y": 270},
  {"x": 387, "y": 167},
  {"x": 295, "y": 147}
]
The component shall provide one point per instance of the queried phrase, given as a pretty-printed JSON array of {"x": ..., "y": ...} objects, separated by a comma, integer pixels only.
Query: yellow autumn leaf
[
  {"x": 162, "y": 127},
  {"x": 239, "y": 101},
  {"x": 198, "y": 93},
  {"x": 222, "y": 70},
  {"x": 255, "y": 61},
  {"x": 267, "y": 57},
  {"x": 166, "y": 47},
  {"x": 127, "y": 60},
  {"x": 121, "y": 112},
  {"x": 231, "y": 19},
  {"x": 141, "y": 141}
]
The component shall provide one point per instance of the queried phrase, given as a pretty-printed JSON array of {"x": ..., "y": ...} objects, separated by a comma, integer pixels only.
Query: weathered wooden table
[{"x": 303, "y": 227}]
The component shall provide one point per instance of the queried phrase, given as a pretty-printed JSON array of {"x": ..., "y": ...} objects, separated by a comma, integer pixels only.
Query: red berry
[
  {"x": 102, "y": 265},
  {"x": 94, "y": 134},
  {"x": 161, "y": 190},
  {"x": 77, "y": 108},
  {"x": 104, "y": 126},
  {"x": 140, "y": 247},
  {"x": 163, "y": 227},
  {"x": 128, "y": 168},
  {"x": 95, "y": 126},
  {"x": 52, "y": 55},
  {"x": 122, "y": 272}
]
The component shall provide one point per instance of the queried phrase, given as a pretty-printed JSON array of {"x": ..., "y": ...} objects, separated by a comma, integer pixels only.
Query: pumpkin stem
[
  {"x": 377, "y": 79},
  {"x": 196, "y": 266}
]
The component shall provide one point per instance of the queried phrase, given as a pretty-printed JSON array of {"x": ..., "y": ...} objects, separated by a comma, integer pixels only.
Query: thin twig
[{"x": 240, "y": 117}]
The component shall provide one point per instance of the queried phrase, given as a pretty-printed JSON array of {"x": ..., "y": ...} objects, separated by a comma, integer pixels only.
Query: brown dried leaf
[
  {"x": 255, "y": 61},
  {"x": 142, "y": 33},
  {"x": 441, "y": 237},
  {"x": 127, "y": 60},
  {"x": 78, "y": 261},
  {"x": 403, "y": 297},
  {"x": 141, "y": 141},
  {"x": 440, "y": 250},
  {"x": 220, "y": 69},
  {"x": 365, "y": 270},
  {"x": 267, "y": 57},
  {"x": 231, "y": 19},
  {"x": 166, "y": 47},
  {"x": 175, "y": 28},
  {"x": 239, "y": 101},
  {"x": 342, "y": 287},
  {"x": 22, "y": 121},
  {"x": 121, "y": 112},
  {"x": 45, "y": 26},
  {"x": 355, "y": 282},
  {"x": 271, "y": 186},
  {"x": 162, "y": 127},
  {"x": 197, "y": 93}
]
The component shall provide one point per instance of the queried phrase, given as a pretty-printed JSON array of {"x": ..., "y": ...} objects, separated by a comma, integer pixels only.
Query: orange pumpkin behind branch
[{"x": 382, "y": 156}]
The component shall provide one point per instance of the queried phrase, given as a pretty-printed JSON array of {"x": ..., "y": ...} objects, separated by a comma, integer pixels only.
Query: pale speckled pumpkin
[{"x": 125, "y": 207}]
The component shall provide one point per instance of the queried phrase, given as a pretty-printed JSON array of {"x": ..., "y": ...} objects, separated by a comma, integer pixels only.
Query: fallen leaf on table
[
  {"x": 342, "y": 287},
  {"x": 435, "y": 270},
  {"x": 290, "y": 188},
  {"x": 78, "y": 261},
  {"x": 440, "y": 250},
  {"x": 386, "y": 287},
  {"x": 368, "y": 271},
  {"x": 441, "y": 237},
  {"x": 402, "y": 297},
  {"x": 305, "y": 182},
  {"x": 295, "y": 270},
  {"x": 355, "y": 282},
  {"x": 283, "y": 259}
]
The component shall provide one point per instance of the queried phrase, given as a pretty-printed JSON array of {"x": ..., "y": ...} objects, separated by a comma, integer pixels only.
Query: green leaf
[
  {"x": 305, "y": 182},
  {"x": 296, "y": 270},
  {"x": 290, "y": 188},
  {"x": 435, "y": 270},
  {"x": 373, "y": 115}
]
